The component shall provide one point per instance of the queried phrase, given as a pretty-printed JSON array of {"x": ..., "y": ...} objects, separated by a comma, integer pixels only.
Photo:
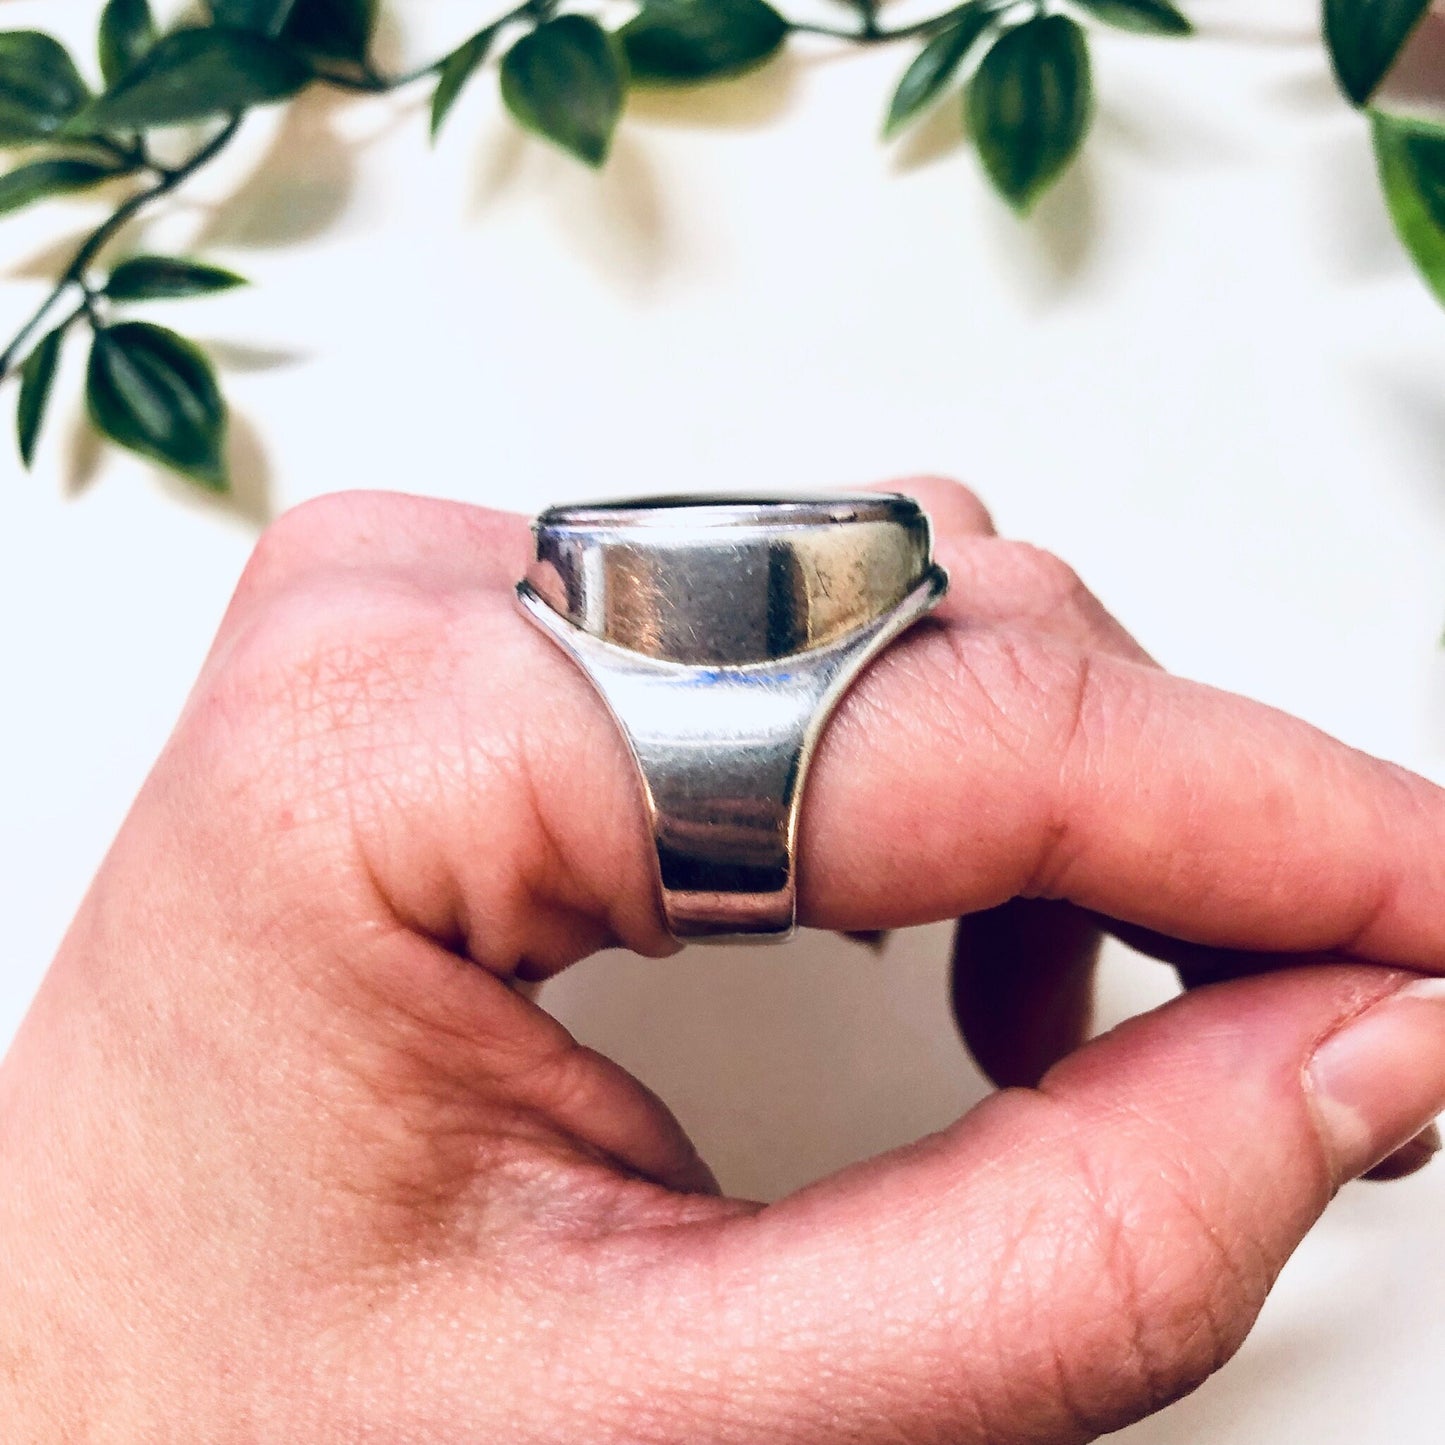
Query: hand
[{"x": 290, "y": 1155}]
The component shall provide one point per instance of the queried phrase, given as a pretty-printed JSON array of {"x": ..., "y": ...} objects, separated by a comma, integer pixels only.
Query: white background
[{"x": 1204, "y": 374}]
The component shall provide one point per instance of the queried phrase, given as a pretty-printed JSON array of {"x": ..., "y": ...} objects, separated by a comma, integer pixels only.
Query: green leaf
[
  {"x": 36, "y": 377},
  {"x": 40, "y": 179},
  {"x": 1029, "y": 105},
  {"x": 195, "y": 74},
  {"x": 265, "y": 16},
  {"x": 162, "y": 278},
  {"x": 934, "y": 67},
  {"x": 567, "y": 81},
  {"x": 456, "y": 70},
  {"x": 1149, "y": 17},
  {"x": 1410, "y": 156},
  {"x": 336, "y": 29},
  {"x": 1365, "y": 36},
  {"x": 155, "y": 393},
  {"x": 127, "y": 31},
  {"x": 40, "y": 87},
  {"x": 683, "y": 41}
]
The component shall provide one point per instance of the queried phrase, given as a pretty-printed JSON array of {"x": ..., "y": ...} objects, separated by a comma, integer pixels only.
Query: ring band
[{"x": 721, "y": 633}]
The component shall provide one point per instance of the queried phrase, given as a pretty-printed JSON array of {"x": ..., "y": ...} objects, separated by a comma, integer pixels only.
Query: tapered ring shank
[{"x": 721, "y": 632}]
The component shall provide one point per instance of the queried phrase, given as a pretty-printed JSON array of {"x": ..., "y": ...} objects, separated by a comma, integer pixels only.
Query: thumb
[{"x": 1067, "y": 1259}]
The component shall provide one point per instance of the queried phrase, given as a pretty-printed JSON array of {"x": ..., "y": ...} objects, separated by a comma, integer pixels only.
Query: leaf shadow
[
  {"x": 1309, "y": 91},
  {"x": 251, "y": 495},
  {"x": 938, "y": 135},
  {"x": 1066, "y": 222},
  {"x": 613, "y": 219},
  {"x": 1259, "y": 30},
  {"x": 1155, "y": 125},
  {"x": 83, "y": 455},
  {"x": 620, "y": 227},
  {"x": 750, "y": 101},
  {"x": 1049, "y": 249},
  {"x": 1355, "y": 237},
  {"x": 388, "y": 42},
  {"x": 299, "y": 187},
  {"x": 246, "y": 357},
  {"x": 47, "y": 261}
]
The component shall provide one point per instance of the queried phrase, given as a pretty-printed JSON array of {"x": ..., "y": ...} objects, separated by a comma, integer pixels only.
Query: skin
[{"x": 291, "y": 1154}]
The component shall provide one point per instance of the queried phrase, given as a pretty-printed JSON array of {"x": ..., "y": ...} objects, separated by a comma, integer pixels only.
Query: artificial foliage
[{"x": 1018, "y": 69}]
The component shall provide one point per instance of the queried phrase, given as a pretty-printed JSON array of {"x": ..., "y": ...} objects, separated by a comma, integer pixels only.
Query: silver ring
[{"x": 721, "y": 633}]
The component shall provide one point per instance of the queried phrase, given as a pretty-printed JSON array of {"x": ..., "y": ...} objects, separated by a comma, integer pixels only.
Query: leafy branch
[
  {"x": 1365, "y": 39},
  {"x": 1019, "y": 69},
  {"x": 562, "y": 76}
]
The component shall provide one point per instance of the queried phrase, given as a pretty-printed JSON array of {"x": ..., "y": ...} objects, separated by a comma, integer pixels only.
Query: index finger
[
  {"x": 972, "y": 765},
  {"x": 984, "y": 756}
]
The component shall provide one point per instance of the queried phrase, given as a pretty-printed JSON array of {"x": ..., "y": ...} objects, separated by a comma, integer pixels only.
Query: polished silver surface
[{"x": 721, "y": 632}]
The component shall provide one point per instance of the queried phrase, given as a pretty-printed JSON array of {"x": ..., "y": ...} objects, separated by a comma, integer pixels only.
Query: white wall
[{"x": 1204, "y": 374}]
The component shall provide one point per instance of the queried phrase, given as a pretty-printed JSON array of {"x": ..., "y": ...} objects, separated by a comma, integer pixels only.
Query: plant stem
[
  {"x": 371, "y": 82},
  {"x": 870, "y": 34},
  {"x": 91, "y": 247},
  {"x": 168, "y": 178},
  {"x": 367, "y": 81},
  {"x": 868, "y": 12},
  {"x": 134, "y": 154}
]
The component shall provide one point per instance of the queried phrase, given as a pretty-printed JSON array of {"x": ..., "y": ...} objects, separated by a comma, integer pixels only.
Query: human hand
[{"x": 289, "y": 1155}]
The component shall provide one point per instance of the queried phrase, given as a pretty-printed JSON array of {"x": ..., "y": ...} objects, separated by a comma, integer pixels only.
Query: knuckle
[
  {"x": 1027, "y": 586},
  {"x": 1050, "y": 711},
  {"x": 322, "y": 671},
  {"x": 300, "y": 540},
  {"x": 961, "y": 507},
  {"x": 1045, "y": 583},
  {"x": 1022, "y": 690},
  {"x": 352, "y": 529}
]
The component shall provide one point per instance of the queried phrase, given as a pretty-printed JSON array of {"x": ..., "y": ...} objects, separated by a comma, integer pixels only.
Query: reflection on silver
[{"x": 721, "y": 633}]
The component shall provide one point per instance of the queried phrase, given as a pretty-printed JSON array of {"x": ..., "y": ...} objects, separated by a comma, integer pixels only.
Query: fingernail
[
  {"x": 1379, "y": 1081},
  {"x": 1408, "y": 1159}
]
